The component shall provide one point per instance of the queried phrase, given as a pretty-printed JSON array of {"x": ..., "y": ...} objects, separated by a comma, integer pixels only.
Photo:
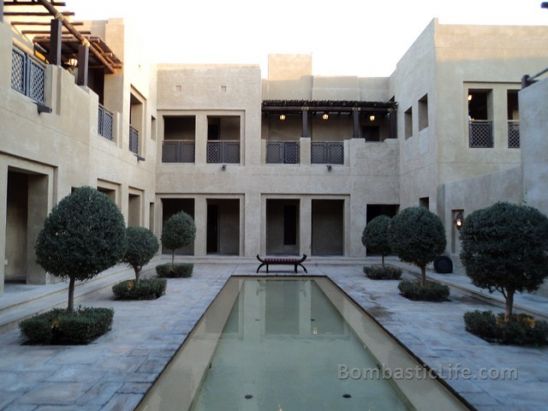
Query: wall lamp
[
  {"x": 459, "y": 220},
  {"x": 329, "y": 167},
  {"x": 223, "y": 167},
  {"x": 282, "y": 117},
  {"x": 42, "y": 108},
  {"x": 325, "y": 116}
]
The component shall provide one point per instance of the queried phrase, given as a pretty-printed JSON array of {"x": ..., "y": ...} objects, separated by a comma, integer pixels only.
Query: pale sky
[{"x": 345, "y": 37}]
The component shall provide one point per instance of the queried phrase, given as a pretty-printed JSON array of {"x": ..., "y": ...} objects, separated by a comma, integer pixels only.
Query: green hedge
[
  {"x": 61, "y": 327},
  {"x": 174, "y": 271},
  {"x": 146, "y": 289},
  {"x": 378, "y": 272},
  {"x": 429, "y": 292},
  {"x": 521, "y": 329}
]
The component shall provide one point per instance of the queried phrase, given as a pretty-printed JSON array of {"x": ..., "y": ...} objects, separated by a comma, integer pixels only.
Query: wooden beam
[
  {"x": 83, "y": 65},
  {"x": 33, "y": 3},
  {"x": 65, "y": 33},
  {"x": 54, "y": 42},
  {"x": 41, "y": 23},
  {"x": 35, "y": 13}
]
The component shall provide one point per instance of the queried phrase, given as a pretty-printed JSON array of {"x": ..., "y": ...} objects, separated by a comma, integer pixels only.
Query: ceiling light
[
  {"x": 469, "y": 97},
  {"x": 325, "y": 116},
  {"x": 282, "y": 117},
  {"x": 372, "y": 117}
]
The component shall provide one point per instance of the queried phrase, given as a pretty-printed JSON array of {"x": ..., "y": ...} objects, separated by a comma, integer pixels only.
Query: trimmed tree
[
  {"x": 179, "y": 231},
  {"x": 82, "y": 236},
  {"x": 141, "y": 247},
  {"x": 505, "y": 248},
  {"x": 375, "y": 236},
  {"x": 417, "y": 236}
]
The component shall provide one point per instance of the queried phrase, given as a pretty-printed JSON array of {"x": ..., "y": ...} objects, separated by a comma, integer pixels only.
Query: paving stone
[
  {"x": 54, "y": 394},
  {"x": 20, "y": 407},
  {"x": 100, "y": 393},
  {"x": 134, "y": 388},
  {"x": 123, "y": 402}
]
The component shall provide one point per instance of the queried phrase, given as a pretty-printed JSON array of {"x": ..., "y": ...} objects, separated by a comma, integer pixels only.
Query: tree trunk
[
  {"x": 137, "y": 274},
  {"x": 382, "y": 260},
  {"x": 172, "y": 258},
  {"x": 70, "y": 307},
  {"x": 509, "y": 305},
  {"x": 423, "y": 275}
]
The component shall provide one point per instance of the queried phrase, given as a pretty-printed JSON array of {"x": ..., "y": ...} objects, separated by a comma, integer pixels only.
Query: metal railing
[
  {"x": 105, "y": 123},
  {"x": 513, "y": 134},
  {"x": 327, "y": 152},
  {"x": 133, "y": 140},
  {"x": 282, "y": 152},
  {"x": 480, "y": 134},
  {"x": 178, "y": 151},
  {"x": 223, "y": 151},
  {"x": 28, "y": 76}
]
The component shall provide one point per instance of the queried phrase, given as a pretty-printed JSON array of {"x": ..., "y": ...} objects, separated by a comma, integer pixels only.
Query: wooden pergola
[
  {"x": 54, "y": 34},
  {"x": 347, "y": 107}
]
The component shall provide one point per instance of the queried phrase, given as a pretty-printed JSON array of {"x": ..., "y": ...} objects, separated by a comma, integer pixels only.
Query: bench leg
[
  {"x": 260, "y": 266},
  {"x": 304, "y": 268},
  {"x": 267, "y": 268},
  {"x": 295, "y": 266}
]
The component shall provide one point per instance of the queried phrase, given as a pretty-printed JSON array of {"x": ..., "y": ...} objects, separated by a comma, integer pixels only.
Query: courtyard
[{"x": 115, "y": 371}]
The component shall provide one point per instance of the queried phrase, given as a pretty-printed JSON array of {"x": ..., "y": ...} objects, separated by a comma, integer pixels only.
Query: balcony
[
  {"x": 178, "y": 151},
  {"x": 27, "y": 75},
  {"x": 105, "y": 123},
  {"x": 513, "y": 134},
  {"x": 481, "y": 134},
  {"x": 223, "y": 151},
  {"x": 282, "y": 152},
  {"x": 133, "y": 140},
  {"x": 327, "y": 152}
]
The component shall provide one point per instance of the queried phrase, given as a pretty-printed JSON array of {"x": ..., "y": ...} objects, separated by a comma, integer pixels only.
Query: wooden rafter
[
  {"x": 40, "y": 23},
  {"x": 34, "y": 13},
  {"x": 32, "y": 3},
  {"x": 45, "y": 32}
]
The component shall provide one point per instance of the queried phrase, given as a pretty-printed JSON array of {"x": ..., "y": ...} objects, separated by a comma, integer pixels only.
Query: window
[
  {"x": 480, "y": 118},
  {"x": 513, "y": 118},
  {"x": 423, "y": 112},
  {"x": 408, "y": 120},
  {"x": 424, "y": 202}
]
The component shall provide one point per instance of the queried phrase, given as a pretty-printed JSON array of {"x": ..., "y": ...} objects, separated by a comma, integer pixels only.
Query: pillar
[
  {"x": 56, "y": 33},
  {"x": 306, "y": 123},
  {"x": 83, "y": 65},
  {"x": 253, "y": 225},
  {"x": 37, "y": 213},
  {"x": 200, "y": 219},
  {"x": 200, "y": 137},
  {"x": 356, "y": 129},
  {"x": 305, "y": 223}
]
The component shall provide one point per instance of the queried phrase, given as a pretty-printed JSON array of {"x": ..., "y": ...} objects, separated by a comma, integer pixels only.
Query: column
[
  {"x": 305, "y": 223},
  {"x": 306, "y": 122},
  {"x": 37, "y": 213},
  {"x": 83, "y": 65},
  {"x": 56, "y": 32},
  {"x": 200, "y": 219},
  {"x": 305, "y": 147},
  {"x": 356, "y": 129},
  {"x": 253, "y": 224},
  {"x": 200, "y": 140},
  {"x": 1, "y": 20},
  {"x": 3, "y": 221}
]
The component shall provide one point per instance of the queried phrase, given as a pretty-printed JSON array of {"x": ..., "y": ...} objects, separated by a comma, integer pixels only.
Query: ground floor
[{"x": 117, "y": 369}]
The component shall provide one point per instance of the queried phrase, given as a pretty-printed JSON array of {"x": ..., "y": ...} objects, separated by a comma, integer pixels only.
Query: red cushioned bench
[{"x": 295, "y": 262}]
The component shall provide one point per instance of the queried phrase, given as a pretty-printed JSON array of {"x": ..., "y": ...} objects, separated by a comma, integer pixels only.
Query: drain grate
[{"x": 347, "y": 396}]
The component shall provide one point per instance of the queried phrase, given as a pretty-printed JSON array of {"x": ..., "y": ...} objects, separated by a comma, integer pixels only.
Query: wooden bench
[{"x": 295, "y": 262}]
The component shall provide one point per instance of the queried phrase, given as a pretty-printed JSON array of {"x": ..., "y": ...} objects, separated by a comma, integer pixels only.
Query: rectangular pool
[{"x": 292, "y": 344}]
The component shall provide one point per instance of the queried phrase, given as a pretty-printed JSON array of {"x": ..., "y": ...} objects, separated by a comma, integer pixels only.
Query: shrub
[
  {"x": 505, "y": 248},
  {"x": 417, "y": 236},
  {"x": 375, "y": 236},
  {"x": 518, "y": 330},
  {"x": 82, "y": 236},
  {"x": 379, "y": 272},
  {"x": 174, "y": 270},
  {"x": 141, "y": 247},
  {"x": 61, "y": 327},
  {"x": 147, "y": 289},
  {"x": 430, "y": 291},
  {"x": 179, "y": 231}
]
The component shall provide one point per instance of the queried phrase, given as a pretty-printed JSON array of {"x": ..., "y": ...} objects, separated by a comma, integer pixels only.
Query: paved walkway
[{"x": 114, "y": 372}]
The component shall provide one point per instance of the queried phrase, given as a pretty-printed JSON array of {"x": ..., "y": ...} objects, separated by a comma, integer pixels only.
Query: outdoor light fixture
[
  {"x": 72, "y": 62},
  {"x": 223, "y": 167},
  {"x": 371, "y": 117},
  {"x": 282, "y": 117},
  {"x": 469, "y": 97},
  {"x": 329, "y": 167},
  {"x": 325, "y": 116},
  {"x": 459, "y": 220}
]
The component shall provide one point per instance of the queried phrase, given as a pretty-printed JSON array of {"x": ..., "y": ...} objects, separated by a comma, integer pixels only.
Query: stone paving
[{"x": 114, "y": 372}]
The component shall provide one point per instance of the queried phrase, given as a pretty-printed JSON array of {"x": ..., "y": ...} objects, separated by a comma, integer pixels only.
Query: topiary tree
[
  {"x": 417, "y": 236},
  {"x": 375, "y": 236},
  {"x": 141, "y": 247},
  {"x": 179, "y": 231},
  {"x": 505, "y": 248},
  {"x": 82, "y": 236}
]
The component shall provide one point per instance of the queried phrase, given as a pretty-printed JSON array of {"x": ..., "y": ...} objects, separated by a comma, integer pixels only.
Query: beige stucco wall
[{"x": 64, "y": 146}]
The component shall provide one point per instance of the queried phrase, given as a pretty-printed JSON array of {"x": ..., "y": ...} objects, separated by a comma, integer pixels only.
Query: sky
[{"x": 345, "y": 37}]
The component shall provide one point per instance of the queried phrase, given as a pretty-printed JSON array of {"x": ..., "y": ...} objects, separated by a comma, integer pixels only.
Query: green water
[{"x": 282, "y": 345}]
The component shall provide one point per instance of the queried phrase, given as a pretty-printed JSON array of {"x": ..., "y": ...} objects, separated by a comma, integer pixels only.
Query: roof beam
[
  {"x": 32, "y": 3},
  {"x": 41, "y": 23},
  {"x": 48, "y": 32},
  {"x": 35, "y": 13}
]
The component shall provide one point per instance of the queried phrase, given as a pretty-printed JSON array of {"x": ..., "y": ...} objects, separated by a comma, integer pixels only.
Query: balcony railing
[
  {"x": 27, "y": 75},
  {"x": 481, "y": 134},
  {"x": 513, "y": 134},
  {"x": 105, "y": 122},
  {"x": 133, "y": 140},
  {"x": 223, "y": 151},
  {"x": 327, "y": 152},
  {"x": 178, "y": 151},
  {"x": 282, "y": 152}
]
